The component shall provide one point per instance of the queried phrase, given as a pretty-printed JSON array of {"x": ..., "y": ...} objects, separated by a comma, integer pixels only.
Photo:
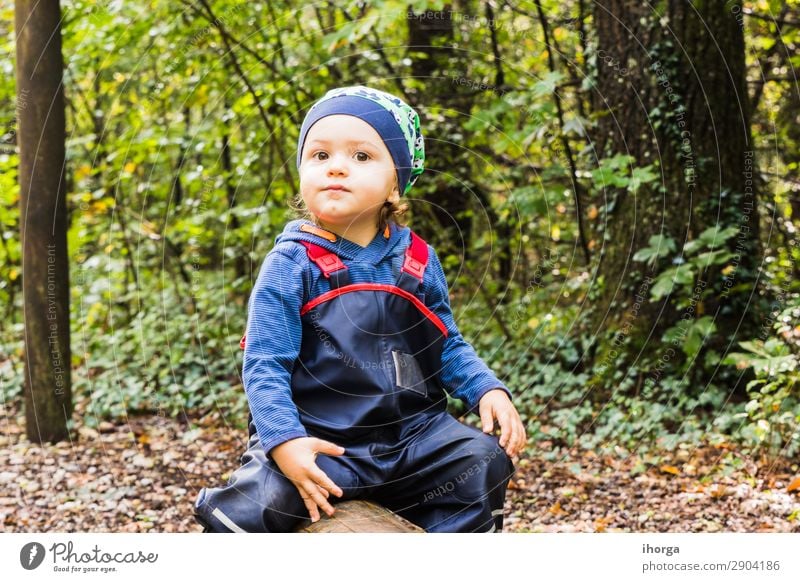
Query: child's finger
[
  {"x": 505, "y": 430},
  {"x": 523, "y": 437},
  {"x": 514, "y": 437},
  {"x": 487, "y": 420},
  {"x": 317, "y": 497},
  {"x": 313, "y": 511},
  {"x": 328, "y": 447},
  {"x": 322, "y": 480}
]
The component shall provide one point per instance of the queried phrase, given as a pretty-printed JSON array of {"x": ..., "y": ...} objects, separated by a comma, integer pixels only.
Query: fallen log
[{"x": 360, "y": 516}]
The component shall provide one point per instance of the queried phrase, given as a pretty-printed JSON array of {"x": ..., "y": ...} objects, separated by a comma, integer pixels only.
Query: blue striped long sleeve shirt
[{"x": 287, "y": 280}]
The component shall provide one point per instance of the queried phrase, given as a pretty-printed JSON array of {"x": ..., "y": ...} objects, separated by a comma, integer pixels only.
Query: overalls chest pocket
[{"x": 408, "y": 373}]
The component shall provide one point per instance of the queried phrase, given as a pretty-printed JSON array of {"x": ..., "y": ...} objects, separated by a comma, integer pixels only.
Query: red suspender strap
[
  {"x": 327, "y": 261},
  {"x": 415, "y": 261},
  {"x": 416, "y": 257}
]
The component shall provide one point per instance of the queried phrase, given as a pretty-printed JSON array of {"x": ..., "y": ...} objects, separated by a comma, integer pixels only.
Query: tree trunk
[
  {"x": 671, "y": 90},
  {"x": 45, "y": 268}
]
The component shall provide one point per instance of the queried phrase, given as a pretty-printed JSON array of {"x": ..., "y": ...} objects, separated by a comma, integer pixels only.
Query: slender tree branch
[
  {"x": 226, "y": 39},
  {"x": 577, "y": 187},
  {"x": 499, "y": 77},
  {"x": 781, "y": 20},
  {"x": 337, "y": 74}
]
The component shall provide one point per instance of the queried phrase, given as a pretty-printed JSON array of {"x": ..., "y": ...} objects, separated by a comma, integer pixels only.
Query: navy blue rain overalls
[{"x": 367, "y": 379}]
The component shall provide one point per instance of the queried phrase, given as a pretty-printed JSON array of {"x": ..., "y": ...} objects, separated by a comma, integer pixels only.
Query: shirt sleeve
[
  {"x": 272, "y": 347},
  {"x": 463, "y": 374}
]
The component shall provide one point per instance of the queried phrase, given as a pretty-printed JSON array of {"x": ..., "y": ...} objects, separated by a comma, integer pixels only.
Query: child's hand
[
  {"x": 296, "y": 459},
  {"x": 496, "y": 404}
]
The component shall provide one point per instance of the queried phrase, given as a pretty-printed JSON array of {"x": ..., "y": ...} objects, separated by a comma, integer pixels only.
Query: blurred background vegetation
[{"x": 182, "y": 120}]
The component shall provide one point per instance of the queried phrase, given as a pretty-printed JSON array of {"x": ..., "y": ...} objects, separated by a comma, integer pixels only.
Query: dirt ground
[{"x": 143, "y": 475}]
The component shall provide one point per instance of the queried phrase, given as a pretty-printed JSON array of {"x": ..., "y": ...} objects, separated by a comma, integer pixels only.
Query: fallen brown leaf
[
  {"x": 717, "y": 490},
  {"x": 794, "y": 485}
]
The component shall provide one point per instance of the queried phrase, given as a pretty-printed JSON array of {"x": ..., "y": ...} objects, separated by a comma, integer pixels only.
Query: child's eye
[{"x": 322, "y": 155}]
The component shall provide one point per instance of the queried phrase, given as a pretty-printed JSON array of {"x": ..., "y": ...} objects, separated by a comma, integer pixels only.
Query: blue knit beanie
[{"x": 394, "y": 120}]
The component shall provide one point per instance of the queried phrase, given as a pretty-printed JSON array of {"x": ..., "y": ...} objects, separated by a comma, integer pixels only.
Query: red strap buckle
[
  {"x": 416, "y": 257},
  {"x": 414, "y": 267},
  {"x": 327, "y": 261}
]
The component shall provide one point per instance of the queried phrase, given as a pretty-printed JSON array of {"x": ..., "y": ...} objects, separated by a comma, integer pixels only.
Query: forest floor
[{"x": 144, "y": 474}]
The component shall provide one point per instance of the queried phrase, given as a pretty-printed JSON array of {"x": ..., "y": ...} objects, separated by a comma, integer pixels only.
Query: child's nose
[{"x": 337, "y": 163}]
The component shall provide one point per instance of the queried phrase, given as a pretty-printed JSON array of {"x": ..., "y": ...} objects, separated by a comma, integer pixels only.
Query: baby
[{"x": 351, "y": 345}]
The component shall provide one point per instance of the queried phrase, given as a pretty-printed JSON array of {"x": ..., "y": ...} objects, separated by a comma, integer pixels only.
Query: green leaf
[
  {"x": 714, "y": 236},
  {"x": 547, "y": 84},
  {"x": 755, "y": 347},
  {"x": 712, "y": 258},
  {"x": 658, "y": 246},
  {"x": 693, "y": 245},
  {"x": 698, "y": 331},
  {"x": 640, "y": 176},
  {"x": 332, "y": 40},
  {"x": 684, "y": 275},
  {"x": 577, "y": 125},
  {"x": 645, "y": 254},
  {"x": 680, "y": 275}
]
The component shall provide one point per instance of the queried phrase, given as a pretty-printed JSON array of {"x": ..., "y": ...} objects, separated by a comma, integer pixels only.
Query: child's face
[{"x": 342, "y": 150}]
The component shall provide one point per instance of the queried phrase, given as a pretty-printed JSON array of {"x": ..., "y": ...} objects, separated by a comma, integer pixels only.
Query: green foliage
[
  {"x": 165, "y": 359},
  {"x": 12, "y": 372},
  {"x": 10, "y": 250},
  {"x": 682, "y": 284},
  {"x": 772, "y": 414},
  {"x": 166, "y": 238},
  {"x": 680, "y": 279},
  {"x": 564, "y": 408}
]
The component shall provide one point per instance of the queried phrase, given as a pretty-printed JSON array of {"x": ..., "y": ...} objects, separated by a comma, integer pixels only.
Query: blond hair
[{"x": 390, "y": 212}]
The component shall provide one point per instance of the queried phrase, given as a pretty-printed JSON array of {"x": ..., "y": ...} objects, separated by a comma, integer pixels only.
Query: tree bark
[
  {"x": 45, "y": 267},
  {"x": 239, "y": 263},
  {"x": 671, "y": 89}
]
